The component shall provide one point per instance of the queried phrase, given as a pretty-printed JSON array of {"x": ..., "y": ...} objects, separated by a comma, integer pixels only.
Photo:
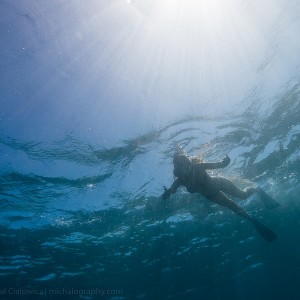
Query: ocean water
[{"x": 96, "y": 97}]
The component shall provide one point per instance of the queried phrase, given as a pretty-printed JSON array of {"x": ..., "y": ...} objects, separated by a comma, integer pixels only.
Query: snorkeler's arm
[
  {"x": 172, "y": 190},
  {"x": 217, "y": 165}
]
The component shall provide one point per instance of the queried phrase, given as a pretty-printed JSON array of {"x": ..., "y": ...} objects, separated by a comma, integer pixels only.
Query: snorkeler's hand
[
  {"x": 167, "y": 193},
  {"x": 226, "y": 161}
]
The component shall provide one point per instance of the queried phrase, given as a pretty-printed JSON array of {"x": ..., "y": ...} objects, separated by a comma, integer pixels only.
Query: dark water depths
[{"x": 85, "y": 222}]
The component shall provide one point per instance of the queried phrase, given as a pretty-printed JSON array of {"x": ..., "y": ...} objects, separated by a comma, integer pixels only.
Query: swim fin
[
  {"x": 266, "y": 232},
  {"x": 266, "y": 199}
]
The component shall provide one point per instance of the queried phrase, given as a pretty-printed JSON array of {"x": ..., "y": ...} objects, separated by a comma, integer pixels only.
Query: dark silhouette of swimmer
[{"x": 191, "y": 173}]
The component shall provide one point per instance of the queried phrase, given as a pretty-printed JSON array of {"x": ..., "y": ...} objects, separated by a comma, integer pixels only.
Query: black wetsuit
[{"x": 199, "y": 181}]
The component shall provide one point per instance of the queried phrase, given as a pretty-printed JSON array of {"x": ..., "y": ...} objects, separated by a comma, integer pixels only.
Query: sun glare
[
  {"x": 207, "y": 20},
  {"x": 192, "y": 12}
]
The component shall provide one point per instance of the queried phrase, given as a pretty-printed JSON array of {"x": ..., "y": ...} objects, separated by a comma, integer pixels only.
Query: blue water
[{"x": 95, "y": 98}]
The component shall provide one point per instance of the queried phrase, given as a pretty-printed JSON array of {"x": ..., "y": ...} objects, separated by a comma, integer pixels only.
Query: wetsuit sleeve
[
  {"x": 217, "y": 165},
  {"x": 172, "y": 190}
]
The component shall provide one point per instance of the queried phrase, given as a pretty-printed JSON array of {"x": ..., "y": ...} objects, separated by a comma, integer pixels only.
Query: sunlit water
[{"x": 95, "y": 100}]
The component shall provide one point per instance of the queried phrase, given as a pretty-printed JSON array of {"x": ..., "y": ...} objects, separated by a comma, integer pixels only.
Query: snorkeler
[{"x": 191, "y": 173}]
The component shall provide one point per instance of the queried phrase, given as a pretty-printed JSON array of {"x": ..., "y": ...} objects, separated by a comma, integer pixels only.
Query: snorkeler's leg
[
  {"x": 266, "y": 199},
  {"x": 223, "y": 200},
  {"x": 228, "y": 187}
]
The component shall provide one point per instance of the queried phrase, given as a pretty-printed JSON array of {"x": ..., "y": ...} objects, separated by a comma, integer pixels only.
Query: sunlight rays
[
  {"x": 151, "y": 61},
  {"x": 201, "y": 45},
  {"x": 209, "y": 45}
]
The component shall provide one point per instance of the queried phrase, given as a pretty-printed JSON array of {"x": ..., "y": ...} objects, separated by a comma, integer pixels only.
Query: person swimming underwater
[{"x": 191, "y": 173}]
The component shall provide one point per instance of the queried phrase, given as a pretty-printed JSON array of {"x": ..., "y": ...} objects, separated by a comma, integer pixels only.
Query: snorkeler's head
[{"x": 182, "y": 164}]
